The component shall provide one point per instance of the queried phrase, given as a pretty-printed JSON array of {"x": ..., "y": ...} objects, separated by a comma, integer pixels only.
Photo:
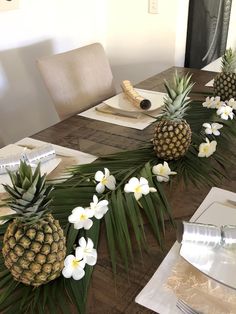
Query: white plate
[
  {"x": 218, "y": 263},
  {"x": 120, "y": 102}
]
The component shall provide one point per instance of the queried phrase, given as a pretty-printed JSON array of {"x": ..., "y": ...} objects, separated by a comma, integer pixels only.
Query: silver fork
[{"x": 185, "y": 308}]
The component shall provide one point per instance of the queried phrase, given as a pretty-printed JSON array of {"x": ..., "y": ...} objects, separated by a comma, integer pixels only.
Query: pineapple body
[
  {"x": 172, "y": 136},
  {"x": 171, "y": 139},
  {"x": 34, "y": 245},
  {"x": 225, "y": 85},
  {"x": 34, "y": 253}
]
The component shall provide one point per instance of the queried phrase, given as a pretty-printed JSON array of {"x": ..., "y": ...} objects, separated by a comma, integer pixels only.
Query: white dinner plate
[
  {"x": 120, "y": 102},
  {"x": 218, "y": 263}
]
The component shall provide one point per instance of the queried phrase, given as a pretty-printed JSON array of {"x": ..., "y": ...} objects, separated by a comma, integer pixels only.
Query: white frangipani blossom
[
  {"x": 162, "y": 172},
  {"x": 231, "y": 103},
  {"x": 80, "y": 217},
  {"x": 207, "y": 149},
  {"x": 138, "y": 187},
  {"x": 212, "y": 128},
  {"x": 105, "y": 180},
  {"x": 217, "y": 103},
  {"x": 213, "y": 102},
  {"x": 225, "y": 112},
  {"x": 99, "y": 209},
  {"x": 73, "y": 267},
  {"x": 208, "y": 102},
  {"x": 86, "y": 251}
]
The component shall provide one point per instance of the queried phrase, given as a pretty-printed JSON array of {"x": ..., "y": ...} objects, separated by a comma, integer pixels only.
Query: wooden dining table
[{"x": 116, "y": 294}]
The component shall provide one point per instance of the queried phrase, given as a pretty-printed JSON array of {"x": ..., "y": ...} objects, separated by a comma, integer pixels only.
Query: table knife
[{"x": 126, "y": 115}]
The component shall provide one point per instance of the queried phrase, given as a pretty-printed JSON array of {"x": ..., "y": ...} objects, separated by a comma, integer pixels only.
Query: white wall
[
  {"x": 181, "y": 32},
  {"x": 38, "y": 28},
  {"x": 140, "y": 44},
  {"x": 231, "y": 40}
]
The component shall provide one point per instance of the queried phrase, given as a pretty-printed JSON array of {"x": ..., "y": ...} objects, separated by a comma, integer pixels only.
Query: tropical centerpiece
[{"x": 38, "y": 273}]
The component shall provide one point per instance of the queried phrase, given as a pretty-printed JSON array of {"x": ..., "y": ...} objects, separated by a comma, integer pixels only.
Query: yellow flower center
[
  {"x": 137, "y": 189},
  {"x": 104, "y": 181},
  {"x": 83, "y": 217},
  {"x": 75, "y": 263}
]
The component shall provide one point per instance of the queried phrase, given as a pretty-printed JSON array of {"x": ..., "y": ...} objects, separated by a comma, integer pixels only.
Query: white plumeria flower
[
  {"x": 73, "y": 267},
  {"x": 232, "y": 103},
  {"x": 86, "y": 251},
  {"x": 80, "y": 218},
  {"x": 208, "y": 103},
  {"x": 99, "y": 209},
  {"x": 225, "y": 112},
  {"x": 217, "y": 103},
  {"x": 105, "y": 180},
  {"x": 162, "y": 171},
  {"x": 212, "y": 128},
  {"x": 207, "y": 149},
  {"x": 138, "y": 187},
  {"x": 213, "y": 102}
]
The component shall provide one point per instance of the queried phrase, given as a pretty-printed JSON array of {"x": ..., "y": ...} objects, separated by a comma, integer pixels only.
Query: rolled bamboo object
[{"x": 134, "y": 97}]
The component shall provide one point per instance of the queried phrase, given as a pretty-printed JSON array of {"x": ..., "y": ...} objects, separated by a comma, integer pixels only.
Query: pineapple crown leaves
[
  {"x": 228, "y": 61},
  {"x": 29, "y": 195},
  {"x": 176, "y": 101}
]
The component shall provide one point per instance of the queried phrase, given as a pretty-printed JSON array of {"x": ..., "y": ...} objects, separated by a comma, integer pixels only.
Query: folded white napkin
[{"x": 210, "y": 83}]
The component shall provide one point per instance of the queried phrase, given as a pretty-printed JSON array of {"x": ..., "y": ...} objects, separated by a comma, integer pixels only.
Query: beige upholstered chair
[{"x": 77, "y": 79}]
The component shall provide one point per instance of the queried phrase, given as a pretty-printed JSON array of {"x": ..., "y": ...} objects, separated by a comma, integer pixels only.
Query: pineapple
[
  {"x": 34, "y": 244},
  {"x": 225, "y": 82},
  {"x": 172, "y": 133}
]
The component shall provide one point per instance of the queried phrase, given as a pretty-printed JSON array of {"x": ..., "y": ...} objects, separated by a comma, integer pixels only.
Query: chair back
[{"x": 77, "y": 79}]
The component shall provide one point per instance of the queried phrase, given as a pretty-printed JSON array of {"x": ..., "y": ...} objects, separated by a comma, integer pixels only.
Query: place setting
[
  {"x": 11, "y": 157},
  {"x": 196, "y": 275},
  {"x": 133, "y": 108},
  {"x": 54, "y": 161},
  {"x": 67, "y": 155}
]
